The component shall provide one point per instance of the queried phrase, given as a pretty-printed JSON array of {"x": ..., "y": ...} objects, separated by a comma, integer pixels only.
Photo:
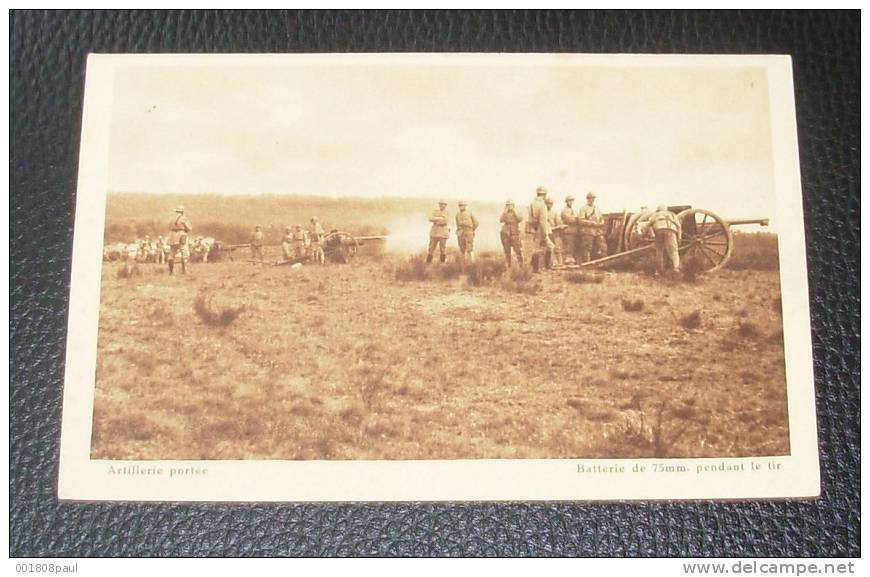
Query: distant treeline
[{"x": 232, "y": 218}]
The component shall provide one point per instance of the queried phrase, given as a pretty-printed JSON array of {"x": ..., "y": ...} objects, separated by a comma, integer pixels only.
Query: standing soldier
[
  {"x": 510, "y": 233},
  {"x": 257, "y": 245},
  {"x": 466, "y": 224},
  {"x": 315, "y": 237},
  {"x": 299, "y": 242},
  {"x": 179, "y": 248},
  {"x": 439, "y": 233},
  {"x": 162, "y": 247},
  {"x": 538, "y": 226},
  {"x": 590, "y": 225},
  {"x": 287, "y": 244},
  {"x": 554, "y": 219},
  {"x": 570, "y": 243},
  {"x": 668, "y": 231}
]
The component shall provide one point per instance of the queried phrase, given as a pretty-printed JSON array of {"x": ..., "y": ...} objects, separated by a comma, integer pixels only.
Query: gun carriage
[{"x": 706, "y": 237}]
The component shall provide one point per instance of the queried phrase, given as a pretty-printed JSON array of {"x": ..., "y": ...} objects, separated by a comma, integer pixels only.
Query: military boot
[
  {"x": 443, "y": 258},
  {"x": 171, "y": 268},
  {"x": 429, "y": 258}
]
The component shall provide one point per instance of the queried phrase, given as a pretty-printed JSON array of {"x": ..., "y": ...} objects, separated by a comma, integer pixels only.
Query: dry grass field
[{"x": 386, "y": 359}]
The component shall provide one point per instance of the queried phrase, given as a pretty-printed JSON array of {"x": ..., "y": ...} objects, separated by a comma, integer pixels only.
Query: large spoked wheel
[
  {"x": 340, "y": 246},
  {"x": 706, "y": 240}
]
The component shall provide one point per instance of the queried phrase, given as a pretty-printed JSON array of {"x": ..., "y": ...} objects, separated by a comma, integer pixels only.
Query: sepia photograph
[{"x": 594, "y": 263}]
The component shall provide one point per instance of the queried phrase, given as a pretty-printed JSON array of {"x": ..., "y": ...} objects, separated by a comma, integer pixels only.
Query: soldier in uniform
[
  {"x": 257, "y": 245},
  {"x": 554, "y": 219},
  {"x": 510, "y": 233},
  {"x": 538, "y": 226},
  {"x": 179, "y": 248},
  {"x": 162, "y": 248},
  {"x": 590, "y": 225},
  {"x": 439, "y": 233},
  {"x": 570, "y": 243},
  {"x": 287, "y": 244},
  {"x": 668, "y": 230},
  {"x": 315, "y": 237},
  {"x": 299, "y": 243},
  {"x": 466, "y": 224}
]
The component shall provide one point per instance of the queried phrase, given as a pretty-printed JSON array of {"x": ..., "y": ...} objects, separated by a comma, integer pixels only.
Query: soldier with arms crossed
[
  {"x": 466, "y": 224},
  {"x": 179, "y": 248},
  {"x": 439, "y": 232}
]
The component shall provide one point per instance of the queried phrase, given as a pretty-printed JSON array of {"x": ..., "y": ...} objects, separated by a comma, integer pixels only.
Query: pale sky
[{"x": 694, "y": 135}]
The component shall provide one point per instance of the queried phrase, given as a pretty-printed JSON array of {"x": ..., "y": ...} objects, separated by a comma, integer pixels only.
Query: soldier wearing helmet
[
  {"x": 287, "y": 244},
  {"x": 179, "y": 245},
  {"x": 554, "y": 219},
  {"x": 299, "y": 243},
  {"x": 590, "y": 226},
  {"x": 466, "y": 225},
  {"x": 257, "y": 245},
  {"x": 511, "y": 240},
  {"x": 315, "y": 238},
  {"x": 570, "y": 241},
  {"x": 439, "y": 233},
  {"x": 538, "y": 226}
]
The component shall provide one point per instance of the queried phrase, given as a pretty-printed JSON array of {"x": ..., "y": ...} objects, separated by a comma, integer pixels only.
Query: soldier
[
  {"x": 315, "y": 238},
  {"x": 287, "y": 244},
  {"x": 590, "y": 225},
  {"x": 570, "y": 243},
  {"x": 668, "y": 230},
  {"x": 510, "y": 233},
  {"x": 538, "y": 226},
  {"x": 257, "y": 245},
  {"x": 439, "y": 233},
  {"x": 179, "y": 248},
  {"x": 554, "y": 219},
  {"x": 162, "y": 248},
  {"x": 299, "y": 242},
  {"x": 466, "y": 225}
]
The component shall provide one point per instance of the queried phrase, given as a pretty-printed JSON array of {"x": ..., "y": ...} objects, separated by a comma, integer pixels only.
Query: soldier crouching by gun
[{"x": 510, "y": 233}]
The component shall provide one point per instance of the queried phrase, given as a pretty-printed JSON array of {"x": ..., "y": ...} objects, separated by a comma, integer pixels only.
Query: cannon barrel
[{"x": 761, "y": 221}]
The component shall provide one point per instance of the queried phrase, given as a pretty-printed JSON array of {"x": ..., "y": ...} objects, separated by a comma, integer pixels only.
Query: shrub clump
[
  {"x": 208, "y": 314},
  {"x": 520, "y": 280},
  {"x": 691, "y": 320},
  {"x": 632, "y": 306}
]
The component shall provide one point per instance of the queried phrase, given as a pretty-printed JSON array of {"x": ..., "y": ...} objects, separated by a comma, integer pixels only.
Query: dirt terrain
[{"x": 353, "y": 362}]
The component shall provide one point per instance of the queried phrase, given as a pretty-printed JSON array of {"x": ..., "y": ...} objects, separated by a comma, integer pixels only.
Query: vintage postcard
[{"x": 380, "y": 277}]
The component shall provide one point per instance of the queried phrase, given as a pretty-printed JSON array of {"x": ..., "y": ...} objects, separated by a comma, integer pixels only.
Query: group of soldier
[{"x": 554, "y": 238}]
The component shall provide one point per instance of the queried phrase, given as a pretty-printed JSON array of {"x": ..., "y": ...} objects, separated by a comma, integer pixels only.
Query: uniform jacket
[
  {"x": 181, "y": 227},
  {"x": 466, "y": 222},
  {"x": 538, "y": 220},
  {"x": 299, "y": 236},
  {"x": 439, "y": 219},
  {"x": 665, "y": 220},
  {"x": 511, "y": 220},
  {"x": 257, "y": 238},
  {"x": 589, "y": 220},
  {"x": 315, "y": 232},
  {"x": 555, "y": 221},
  {"x": 569, "y": 219}
]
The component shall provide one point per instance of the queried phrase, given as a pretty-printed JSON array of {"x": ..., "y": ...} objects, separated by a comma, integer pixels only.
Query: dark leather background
[{"x": 47, "y": 59}]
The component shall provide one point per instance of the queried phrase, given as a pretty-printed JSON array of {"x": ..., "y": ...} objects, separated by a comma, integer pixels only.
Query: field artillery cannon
[
  {"x": 340, "y": 246},
  {"x": 706, "y": 237}
]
